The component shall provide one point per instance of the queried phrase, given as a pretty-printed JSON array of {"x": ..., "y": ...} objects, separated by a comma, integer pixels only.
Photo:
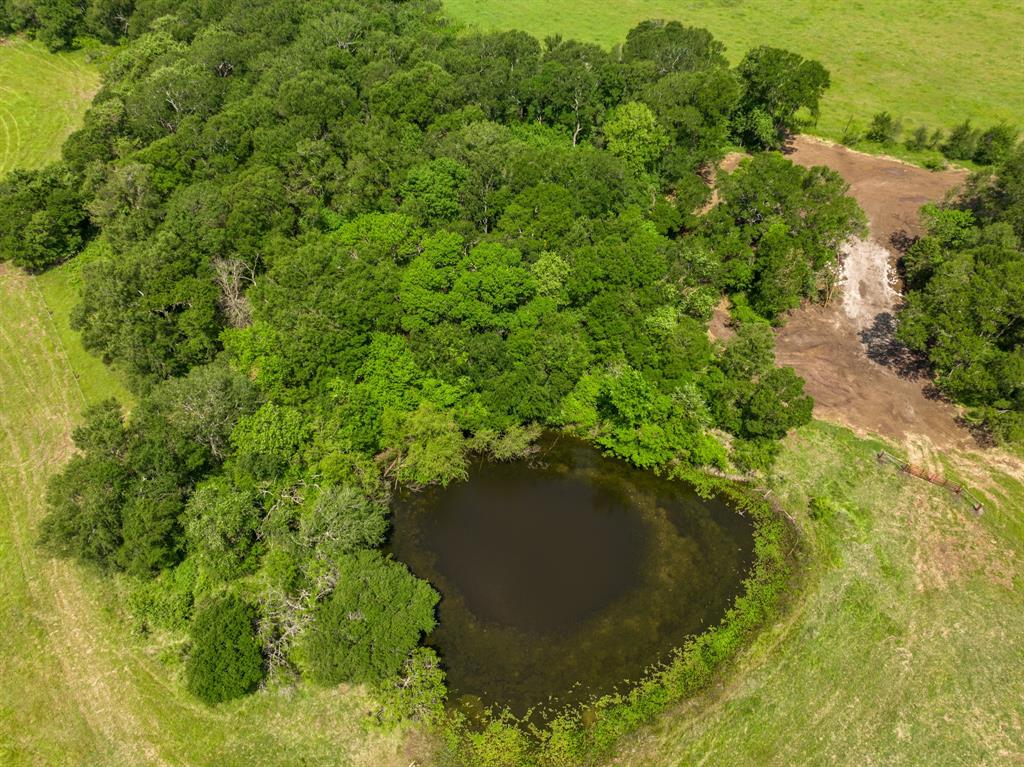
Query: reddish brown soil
[
  {"x": 890, "y": 192},
  {"x": 857, "y": 375}
]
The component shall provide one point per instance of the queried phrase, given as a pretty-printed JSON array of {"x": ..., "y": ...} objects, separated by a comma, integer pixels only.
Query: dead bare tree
[{"x": 232, "y": 275}]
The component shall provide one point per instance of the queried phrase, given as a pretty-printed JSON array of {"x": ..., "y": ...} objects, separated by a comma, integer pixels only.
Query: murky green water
[{"x": 566, "y": 575}]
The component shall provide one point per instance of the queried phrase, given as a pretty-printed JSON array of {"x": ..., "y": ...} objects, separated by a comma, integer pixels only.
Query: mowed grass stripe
[
  {"x": 76, "y": 687},
  {"x": 42, "y": 97},
  {"x": 934, "y": 63}
]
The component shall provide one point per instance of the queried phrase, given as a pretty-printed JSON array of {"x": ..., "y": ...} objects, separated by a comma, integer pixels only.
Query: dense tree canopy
[
  {"x": 338, "y": 247},
  {"x": 965, "y": 308}
]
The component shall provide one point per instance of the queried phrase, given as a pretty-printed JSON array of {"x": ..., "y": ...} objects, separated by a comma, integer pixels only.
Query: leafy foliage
[
  {"x": 371, "y": 622},
  {"x": 42, "y": 220},
  {"x": 225, "y": 661},
  {"x": 781, "y": 92},
  {"x": 966, "y": 305},
  {"x": 342, "y": 250}
]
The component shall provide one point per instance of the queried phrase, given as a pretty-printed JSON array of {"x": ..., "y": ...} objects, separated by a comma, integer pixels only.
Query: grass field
[
  {"x": 42, "y": 99},
  {"x": 936, "y": 63},
  {"x": 904, "y": 646}
]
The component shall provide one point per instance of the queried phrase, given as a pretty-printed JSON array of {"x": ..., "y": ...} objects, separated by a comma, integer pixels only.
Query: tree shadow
[
  {"x": 901, "y": 241},
  {"x": 882, "y": 346},
  {"x": 980, "y": 433}
]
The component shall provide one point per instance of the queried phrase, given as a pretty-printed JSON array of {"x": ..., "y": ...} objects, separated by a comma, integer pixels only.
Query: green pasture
[
  {"x": 932, "y": 63},
  {"x": 43, "y": 96},
  {"x": 903, "y": 645}
]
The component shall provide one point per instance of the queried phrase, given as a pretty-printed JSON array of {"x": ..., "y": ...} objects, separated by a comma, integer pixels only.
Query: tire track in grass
[
  {"x": 5, "y": 163},
  {"x": 36, "y": 431},
  {"x": 44, "y": 96}
]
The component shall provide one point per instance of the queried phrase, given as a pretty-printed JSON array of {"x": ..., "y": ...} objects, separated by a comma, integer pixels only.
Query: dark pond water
[{"x": 566, "y": 575}]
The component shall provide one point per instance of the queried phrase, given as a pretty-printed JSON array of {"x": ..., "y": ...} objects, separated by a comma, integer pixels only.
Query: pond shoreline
[{"x": 586, "y": 731}]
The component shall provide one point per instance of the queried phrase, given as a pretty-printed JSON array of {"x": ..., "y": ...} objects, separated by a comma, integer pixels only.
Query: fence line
[{"x": 915, "y": 471}]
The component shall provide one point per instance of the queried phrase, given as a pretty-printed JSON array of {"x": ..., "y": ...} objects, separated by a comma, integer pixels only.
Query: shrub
[
  {"x": 164, "y": 602},
  {"x": 962, "y": 142},
  {"x": 225, "y": 661},
  {"x": 884, "y": 128},
  {"x": 417, "y": 692},
  {"x": 852, "y": 133},
  {"x": 42, "y": 221},
  {"x": 367, "y": 628},
  {"x": 995, "y": 144},
  {"x": 917, "y": 140}
]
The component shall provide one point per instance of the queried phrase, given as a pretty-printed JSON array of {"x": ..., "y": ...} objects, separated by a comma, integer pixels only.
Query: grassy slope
[
  {"x": 903, "y": 648},
  {"x": 42, "y": 99},
  {"x": 936, "y": 63}
]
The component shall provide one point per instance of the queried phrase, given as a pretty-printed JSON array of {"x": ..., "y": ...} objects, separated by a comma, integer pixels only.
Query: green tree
[
  {"x": 371, "y": 622},
  {"x": 42, "y": 218},
  {"x": 782, "y": 87},
  {"x": 424, "y": 446},
  {"x": 221, "y": 523},
  {"x": 631, "y": 132},
  {"x": 995, "y": 144},
  {"x": 962, "y": 142},
  {"x": 672, "y": 47},
  {"x": 225, "y": 660},
  {"x": 60, "y": 21},
  {"x": 418, "y": 691},
  {"x": 780, "y": 229}
]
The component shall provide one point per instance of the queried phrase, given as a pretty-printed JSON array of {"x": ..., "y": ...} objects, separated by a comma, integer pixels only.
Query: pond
[{"x": 566, "y": 575}]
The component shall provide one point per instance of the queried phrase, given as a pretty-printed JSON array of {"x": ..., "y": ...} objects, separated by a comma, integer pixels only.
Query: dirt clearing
[
  {"x": 891, "y": 192},
  {"x": 856, "y": 372}
]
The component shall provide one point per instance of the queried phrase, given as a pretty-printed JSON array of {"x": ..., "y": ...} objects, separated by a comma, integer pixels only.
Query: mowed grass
[
  {"x": 905, "y": 643},
  {"x": 76, "y": 686},
  {"x": 933, "y": 63},
  {"x": 60, "y": 288},
  {"x": 42, "y": 99}
]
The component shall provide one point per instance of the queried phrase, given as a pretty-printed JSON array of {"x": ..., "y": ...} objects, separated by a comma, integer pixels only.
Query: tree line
[
  {"x": 339, "y": 247},
  {"x": 965, "y": 300}
]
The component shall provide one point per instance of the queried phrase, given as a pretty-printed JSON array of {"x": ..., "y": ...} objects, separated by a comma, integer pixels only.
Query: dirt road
[{"x": 890, "y": 192}]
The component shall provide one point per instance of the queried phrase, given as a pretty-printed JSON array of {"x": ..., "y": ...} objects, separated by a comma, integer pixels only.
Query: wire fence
[{"x": 916, "y": 471}]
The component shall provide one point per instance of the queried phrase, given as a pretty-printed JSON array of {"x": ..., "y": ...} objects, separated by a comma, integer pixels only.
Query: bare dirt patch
[
  {"x": 729, "y": 163},
  {"x": 720, "y": 329},
  {"x": 857, "y": 373},
  {"x": 891, "y": 192}
]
